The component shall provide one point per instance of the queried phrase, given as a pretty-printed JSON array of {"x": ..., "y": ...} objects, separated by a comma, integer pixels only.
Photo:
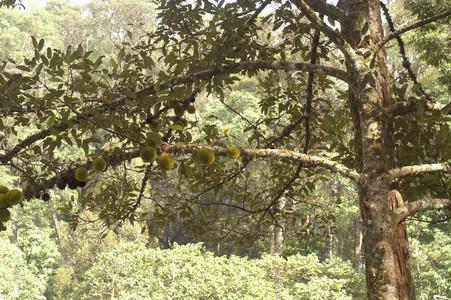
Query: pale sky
[{"x": 41, "y": 3}]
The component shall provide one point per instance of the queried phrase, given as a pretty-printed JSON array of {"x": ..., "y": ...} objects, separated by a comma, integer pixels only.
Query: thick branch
[
  {"x": 419, "y": 169},
  {"x": 319, "y": 24},
  {"x": 115, "y": 159},
  {"x": 180, "y": 80},
  {"x": 420, "y": 205},
  {"x": 324, "y": 8}
]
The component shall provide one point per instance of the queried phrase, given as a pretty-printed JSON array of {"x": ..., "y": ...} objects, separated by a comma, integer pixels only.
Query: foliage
[
  {"x": 131, "y": 271},
  {"x": 17, "y": 279}
]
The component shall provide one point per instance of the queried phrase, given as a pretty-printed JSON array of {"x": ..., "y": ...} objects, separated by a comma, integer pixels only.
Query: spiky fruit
[
  {"x": 5, "y": 215},
  {"x": 73, "y": 184},
  {"x": 3, "y": 189},
  {"x": 45, "y": 197},
  {"x": 154, "y": 140},
  {"x": 99, "y": 164},
  {"x": 205, "y": 156},
  {"x": 166, "y": 162},
  {"x": 61, "y": 183},
  {"x": 148, "y": 154},
  {"x": 179, "y": 110},
  {"x": 13, "y": 197},
  {"x": 3, "y": 202},
  {"x": 81, "y": 174},
  {"x": 155, "y": 125},
  {"x": 81, "y": 184},
  {"x": 233, "y": 152},
  {"x": 191, "y": 109}
]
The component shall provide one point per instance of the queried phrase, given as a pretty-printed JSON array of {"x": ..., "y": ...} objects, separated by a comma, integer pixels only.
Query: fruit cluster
[{"x": 8, "y": 198}]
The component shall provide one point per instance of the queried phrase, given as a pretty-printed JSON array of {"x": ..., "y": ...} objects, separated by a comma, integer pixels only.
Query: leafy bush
[
  {"x": 132, "y": 271},
  {"x": 17, "y": 281}
]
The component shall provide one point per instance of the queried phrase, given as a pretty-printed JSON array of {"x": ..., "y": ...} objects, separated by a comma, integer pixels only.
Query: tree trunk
[
  {"x": 358, "y": 245},
  {"x": 57, "y": 229},
  {"x": 385, "y": 243},
  {"x": 277, "y": 232}
]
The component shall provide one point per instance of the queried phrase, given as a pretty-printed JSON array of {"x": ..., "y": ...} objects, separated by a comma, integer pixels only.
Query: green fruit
[
  {"x": 233, "y": 152},
  {"x": 81, "y": 174},
  {"x": 154, "y": 125},
  {"x": 154, "y": 140},
  {"x": 3, "y": 189},
  {"x": 191, "y": 109},
  {"x": 179, "y": 110},
  {"x": 99, "y": 164},
  {"x": 205, "y": 156},
  {"x": 3, "y": 202},
  {"x": 166, "y": 162},
  {"x": 5, "y": 215},
  {"x": 13, "y": 197},
  {"x": 148, "y": 154}
]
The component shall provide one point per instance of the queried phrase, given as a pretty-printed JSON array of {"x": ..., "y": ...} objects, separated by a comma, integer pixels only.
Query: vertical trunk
[
  {"x": 358, "y": 245},
  {"x": 57, "y": 229},
  {"x": 385, "y": 243},
  {"x": 277, "y": 233}
]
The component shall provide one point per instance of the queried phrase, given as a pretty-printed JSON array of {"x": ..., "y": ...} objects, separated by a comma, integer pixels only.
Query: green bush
[
  {"x": 132, "y": 271},
  {"x": 17, "y": 281}
]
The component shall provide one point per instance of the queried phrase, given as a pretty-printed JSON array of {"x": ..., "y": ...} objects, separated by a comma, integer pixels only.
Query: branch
[
  {"x": 319, "y": 24},
  {"x": 413, "y": 26},
  {"x": 404, "y": 107},
  {"x": 326, "y": 9},
  {"x": 180, "y": 80},
  {"x": 420, "y": 205},
  {"x": 402, "y": 50},
  {"x": 419, "y": 169},
  {"x": 115, "y": 159}
]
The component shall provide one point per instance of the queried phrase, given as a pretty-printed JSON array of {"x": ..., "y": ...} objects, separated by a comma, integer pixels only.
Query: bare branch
[
  {"x": 420, "y": 205},
  {"x": 413, "y": 26},
  {"x": 180, "y": 80},
  {"x": 419, "y": 169}
]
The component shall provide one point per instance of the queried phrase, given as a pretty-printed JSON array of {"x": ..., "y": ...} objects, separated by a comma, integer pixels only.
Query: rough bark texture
[{"x": 385, "y": 242}]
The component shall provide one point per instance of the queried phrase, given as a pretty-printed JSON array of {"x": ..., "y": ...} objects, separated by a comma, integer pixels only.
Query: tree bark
[{"x": 385, "y": 242}]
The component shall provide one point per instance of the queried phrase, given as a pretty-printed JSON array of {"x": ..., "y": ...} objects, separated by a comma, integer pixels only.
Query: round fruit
[
  {"x": 81, "y": 174},
  {"x": 3, "y": 202},
  {"x": 153, "y": 140},
  {"x": 5, "y": 215},
  {"x": 191, "y": 109},
  {"x": 179, "y": 110},
  {"x": 61, "y": 183},
  {"x": 3, "y": 189},
  {"x": 99, "y": 164},
  {"x": 166, "y": 162},
  {"x": 233, "y": 152},
  {"x": 73, "y": 184},
  {"x": 148, "y": 154},
  {"x": 14, "y": 197},
  {"x": 155, "y": 125},
  {"x": 205, "y": 156},
  {"x": 45, "y": 197}
]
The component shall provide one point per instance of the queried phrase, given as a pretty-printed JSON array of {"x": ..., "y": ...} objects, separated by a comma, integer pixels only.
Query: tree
[{"x": 142, "y": 97}]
